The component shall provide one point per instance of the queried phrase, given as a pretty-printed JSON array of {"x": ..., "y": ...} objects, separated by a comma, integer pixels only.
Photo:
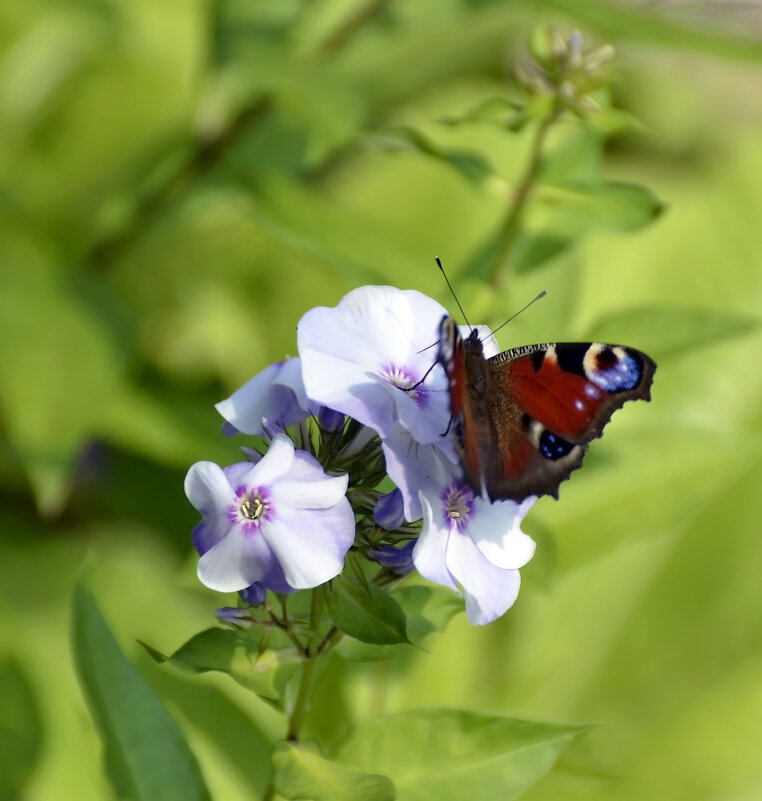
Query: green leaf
[
  {"x": 500, "y": 111},
  {"x": 611, "y": 204},
  {"x": 470, "y": 164},
  {"x": 236, "y": 654},
  {"x": 613, "y": 122},
  {"x": 147, "y": 757},
  {"x": 52, "y": 346},
  {"x": 366, "y": 613},
  {"x": 668, "y": 331},
  {"x": 533, "y": 250},
  {"x": 428, "y": 609},
  {"x": 20, "y": 730},
  {"x": 457, "y": 755},
  {"x": 299, "y": 772}
]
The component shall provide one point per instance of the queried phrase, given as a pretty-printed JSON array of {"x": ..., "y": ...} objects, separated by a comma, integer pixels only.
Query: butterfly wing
[{"x": 544, "y": 403}]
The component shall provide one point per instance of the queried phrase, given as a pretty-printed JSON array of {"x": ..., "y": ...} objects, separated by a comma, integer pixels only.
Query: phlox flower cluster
[{"x": 364, "y": 400}]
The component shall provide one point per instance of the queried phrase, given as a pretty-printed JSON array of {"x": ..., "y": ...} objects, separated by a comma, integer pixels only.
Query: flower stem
[
  {"x": 299, "y": 711},
  {"x": 512, "y": 224}
]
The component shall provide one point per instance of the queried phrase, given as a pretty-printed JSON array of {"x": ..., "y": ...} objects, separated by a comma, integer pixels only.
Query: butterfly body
[{"x": 523, "y": 419}]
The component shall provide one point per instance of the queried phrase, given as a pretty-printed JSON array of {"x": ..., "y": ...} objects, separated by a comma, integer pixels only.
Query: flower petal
[
  {"x": 277, "y": 393},
  {"x": 311, "y": 546},
  {"x": 275, "y": 463},
  {"x": 416, "y": 468},
  {"x": 207, "y": 488},
  {"x": 235, "y": 562},
  {"x": 389, "y": 511},
  {"x": 495, "y": 528},
  {"x": 490, "y": 591},
  {"x": 429, "y": 554},
  {"x": 372, "y": 330},
  {"x": 316, "y": 493}
]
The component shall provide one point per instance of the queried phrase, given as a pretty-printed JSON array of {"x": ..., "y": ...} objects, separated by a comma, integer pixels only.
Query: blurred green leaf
[
  {"x": 299, "y": 218},
  {"x": 20, "y": 730},
  {"x": 668, "y": 331},
  {"x": 611, "y": 204},
  {"x": 470, "y": 164},
  {"x": 500, "y": 111},
  {"x": 355, "y": 651},
  {"x": 366, "y": 613},
  {"x": 612, "y": 122},
  {"x": 236, "y": 654},
  {"x": 147, "y": 757},
  {"x": 238, "y": 734},
  {"x": 534, "y": 250},
  {"x": 60, "y": 369},
  {"x": 301, "y": 774},
  {"x": 457, "y": 755},
  {"x": 428, "y": 608}
]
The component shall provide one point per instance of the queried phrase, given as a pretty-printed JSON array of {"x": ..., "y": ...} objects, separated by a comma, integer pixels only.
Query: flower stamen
[
  {"x": 252, "y": 508},
  {"x": 399, "y": 377},
  {"x": 458, "y": 504}
]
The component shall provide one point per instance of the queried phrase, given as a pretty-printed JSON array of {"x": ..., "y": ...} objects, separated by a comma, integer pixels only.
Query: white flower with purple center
[
  {"x": 471, "y": 544},
  {"x": 370, "y": 357},
  {"x": 282, "y": 522},
  {"x": 276, "y": 393},
  {"x": 416, "y": 467}
]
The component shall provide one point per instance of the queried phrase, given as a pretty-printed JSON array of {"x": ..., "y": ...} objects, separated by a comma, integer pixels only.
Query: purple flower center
[
  {"x": 402, "y": 378},
  {"x": 250, "y": 508},
  {"x": 458, "y": 505}
]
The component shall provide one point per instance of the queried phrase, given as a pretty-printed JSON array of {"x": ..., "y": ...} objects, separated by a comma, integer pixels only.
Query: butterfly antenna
[
  {"x": 523, "y": 309},
  {"x": 452, "y": 291}
]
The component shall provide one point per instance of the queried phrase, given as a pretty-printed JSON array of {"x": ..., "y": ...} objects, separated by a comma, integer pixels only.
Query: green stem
[
  {"x": 512, "y": 224},
  {"x": 313, "y": 653},
  {"x": 353, "y": 23}
]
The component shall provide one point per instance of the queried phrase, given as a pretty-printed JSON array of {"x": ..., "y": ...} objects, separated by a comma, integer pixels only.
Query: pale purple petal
[
  {"x": 277, "y": 462},
  {"x": 235, "y": 562},
  {"x": 276, "y": 393},
  {"x": 253, "y": 595},
  {"x": 311, "y": 547},
  {"x": 389, "y": 512},
  {"x": 320, "y": 492},
  {"x": 429, "y": 553},
  {"x": 207, "y": 488},
  {"x": 291, "y": 376},
  {"x": 495, "y": 528},
  {"x": 425, "y": 410},
  {"x": 417, "y": 468},
  {"x": 330, "y": 421},
  {"x": 490, "y": 591},
  {"x": 399, "y": 560},
  {"x": 373, "y": 332}
]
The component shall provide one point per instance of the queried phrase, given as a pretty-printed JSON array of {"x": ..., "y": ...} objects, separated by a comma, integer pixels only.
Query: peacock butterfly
[{"x": 524, "y": 418}]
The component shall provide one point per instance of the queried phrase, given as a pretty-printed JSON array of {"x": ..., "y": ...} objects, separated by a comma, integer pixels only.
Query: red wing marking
[
  {"x": 562, "y": 401},
  {"x": 518, "y": 457}
]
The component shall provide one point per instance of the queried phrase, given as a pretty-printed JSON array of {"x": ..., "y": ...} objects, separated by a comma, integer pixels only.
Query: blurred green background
[{"x": 180, "y": 181}]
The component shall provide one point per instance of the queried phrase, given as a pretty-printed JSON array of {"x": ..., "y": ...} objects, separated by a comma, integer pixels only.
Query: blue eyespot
[
  {"x": 554, "y": 447},
  {"x": 616, "y": 373}
]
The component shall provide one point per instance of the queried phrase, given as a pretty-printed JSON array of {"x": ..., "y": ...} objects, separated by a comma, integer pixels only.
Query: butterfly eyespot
[
  {"x": 612, "y": 368},
  {"x": 606, "y": 359},
  {"x": 554, "y": 447}
]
